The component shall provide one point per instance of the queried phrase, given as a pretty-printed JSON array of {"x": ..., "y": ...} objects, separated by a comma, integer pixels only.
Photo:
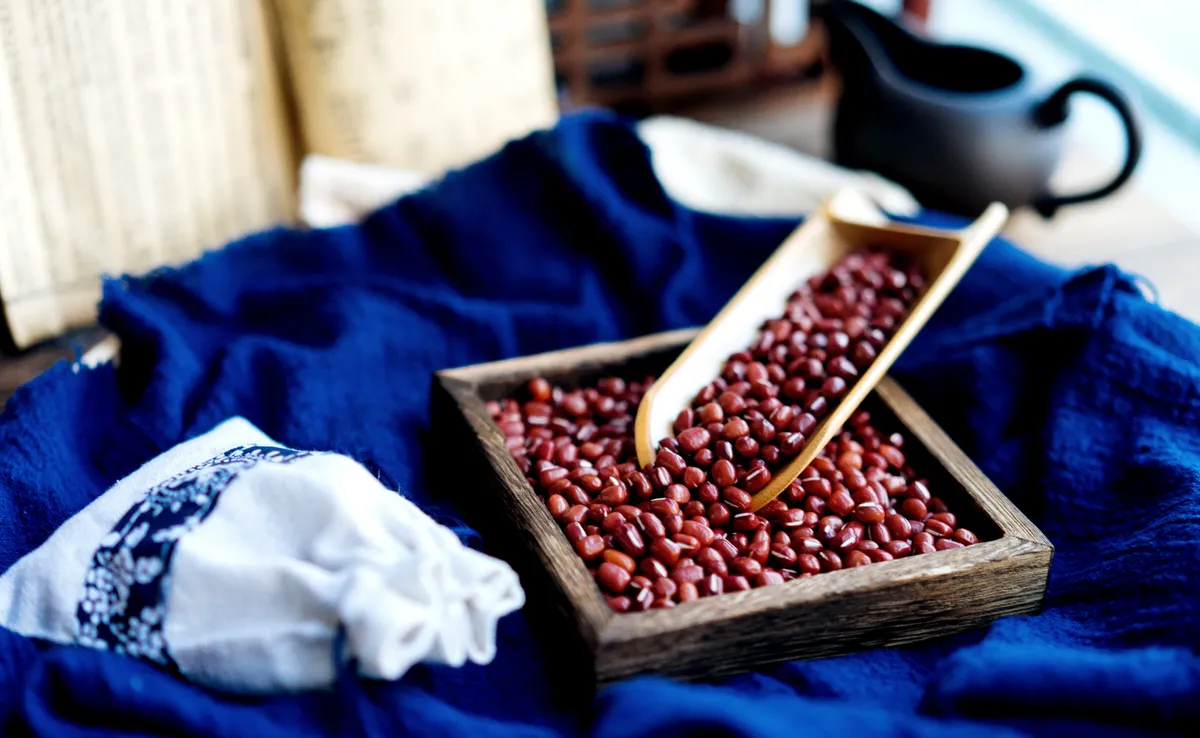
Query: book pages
[
  {"x": 423, "y": 85},
  {"x": 132, "y": 134}
]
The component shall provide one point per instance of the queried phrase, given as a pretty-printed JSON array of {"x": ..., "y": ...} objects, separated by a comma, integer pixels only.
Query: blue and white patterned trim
[{"x": 123, "y": 604}]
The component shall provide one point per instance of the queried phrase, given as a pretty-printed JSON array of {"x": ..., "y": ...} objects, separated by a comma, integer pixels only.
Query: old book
[{"x": 138, "y": 134}]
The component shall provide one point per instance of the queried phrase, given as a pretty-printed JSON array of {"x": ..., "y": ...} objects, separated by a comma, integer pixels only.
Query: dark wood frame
[
  {"x": 755, "y": 58},
  {"x": 885, "y": 604}
]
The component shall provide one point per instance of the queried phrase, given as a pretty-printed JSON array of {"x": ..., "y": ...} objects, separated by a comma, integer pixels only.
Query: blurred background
[{"x": 134, "y": 135}]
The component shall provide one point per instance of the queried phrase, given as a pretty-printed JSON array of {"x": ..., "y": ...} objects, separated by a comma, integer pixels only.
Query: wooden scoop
[{"x": 847, "y": 222}]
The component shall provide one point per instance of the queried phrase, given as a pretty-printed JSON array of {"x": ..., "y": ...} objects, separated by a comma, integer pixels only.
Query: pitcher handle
[{"x": 1053, "y": 112}]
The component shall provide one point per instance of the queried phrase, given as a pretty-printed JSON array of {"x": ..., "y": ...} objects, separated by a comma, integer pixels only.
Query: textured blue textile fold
[{"x": 1075, "y": 394}]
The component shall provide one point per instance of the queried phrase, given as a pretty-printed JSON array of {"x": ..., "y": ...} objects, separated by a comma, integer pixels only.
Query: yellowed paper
[
  {"x": 132, "y": 134},
  {"x": 418, "y": 84}
]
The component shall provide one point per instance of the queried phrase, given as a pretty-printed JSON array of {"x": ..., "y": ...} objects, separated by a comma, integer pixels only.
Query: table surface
[{"x": 1129, "y": 229}]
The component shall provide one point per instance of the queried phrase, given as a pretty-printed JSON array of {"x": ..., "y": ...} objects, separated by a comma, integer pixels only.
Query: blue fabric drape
[{"x": 1077, "y": 396}]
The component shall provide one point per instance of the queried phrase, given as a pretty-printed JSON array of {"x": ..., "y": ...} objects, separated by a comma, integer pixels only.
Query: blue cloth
[{"x": 1075, "y": 394}]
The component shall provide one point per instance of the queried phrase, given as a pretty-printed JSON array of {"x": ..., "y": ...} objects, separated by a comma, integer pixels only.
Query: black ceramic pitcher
[{"x": 958, "y": 126}]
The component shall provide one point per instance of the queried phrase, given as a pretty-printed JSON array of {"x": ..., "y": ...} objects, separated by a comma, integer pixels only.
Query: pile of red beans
[{"x": 681, "y": 527}]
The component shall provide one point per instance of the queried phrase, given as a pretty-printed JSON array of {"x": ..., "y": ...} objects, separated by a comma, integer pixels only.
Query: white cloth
[
  {"x": 702, "y": 166},
  {"x": 237, "y": 561},
  {"x": 723, "y": 171}
]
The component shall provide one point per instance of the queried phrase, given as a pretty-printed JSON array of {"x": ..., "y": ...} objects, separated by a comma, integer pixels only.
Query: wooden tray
[{"x": 884, "y": 604}]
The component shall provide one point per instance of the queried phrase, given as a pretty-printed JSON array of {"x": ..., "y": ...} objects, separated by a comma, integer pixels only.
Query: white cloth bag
[{"x": 236, "y": 562}]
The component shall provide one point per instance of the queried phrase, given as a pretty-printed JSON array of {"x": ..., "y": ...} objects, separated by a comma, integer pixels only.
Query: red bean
[
  {"x": 629, "y": 512},
  {"x": 653, "y": 568},
  {"x": 687, "y": 544},
  {"x": 847, "y": 538},
  {"x": 767, "y": 578},
  {"x": 688, "y": 592},
  {"x": 662, "y": 507},
  {"x": 894, "y": 456},
  {"x": 735, "y": 498},
  {"x": 791, "y": 443},
  {"x": 746, "y": 447},
  {"x": 830, "y": 561},
  {"x": 808, "y": 564},
  {"x": 620, "y": 604},
  {"x": 945, "y": 517},
  {"x": 691, "y": 573},
  {"x": 707, "y": 493},
  {"x": 644, "y": 599},
  {"x": 683, "y": 421},
  {"x": 736, "y": 583},
  {"x": 719, "y": 514},
  {"x": 659, "y": 477},
  {"x": 639, "y": 485},
  {"x": 613, "y": 496},
  {"x": 898, "y": 549},
  {"x": 756, "y": 479},
  {"x": 671, "y": 461},
  {"x": 693, "y": 439},
  {"x": 574, "y": 532},
  {"x": 731, "y": 403},
  {"x": 612, "y": 577},
  {"x": 945, "y": 544},
  {"x": 711, "y": 413},
  {"x": 613, "y": 556},
  {"x": 919, "y": 491},
  {"x": 666, "y": 550},
  {"x": 840, "y": 503},
  {"x": 693, "y": 477},
  {"x": 651, "y": 525},
  {"x": 711, "y": 585},
  {"x": 965, "y": 537},
  {"x": 725, "y": 548},
  {"x": 723, "y": 473},
  {"x": 734, "y": 429},
  {"x": 789, "y": 519},
  {"x": 820, "y": 487},
  {"x": 592, "y": 483},
  {"x": 712, "y": 562},
  {"x": 574, "y": 514},
  {"x": 869, "y": 512},
  {"x": 557, "y": 505},
  {"x": 628, "y": 538},
  {"x": 782, "y": 555},
  {"x": 898, "y": 526},
  {"x": 913, "y": 509},
  {"x": 810, "y": 545},
  {"x": 539, "y": 389},
  {"x": 612, "y": 522},
  {"x": 673, "y": 524},
  {"x": 700, "y": 532},
  {"x": 828, "y": 527},
  {"x": 856, "y": 558},
  {"x": 745, "y": 566},
  {"x": 678, "y": 493},
  {"x": 938, "y": 528},
  {"x": 589, "y": 547}
]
